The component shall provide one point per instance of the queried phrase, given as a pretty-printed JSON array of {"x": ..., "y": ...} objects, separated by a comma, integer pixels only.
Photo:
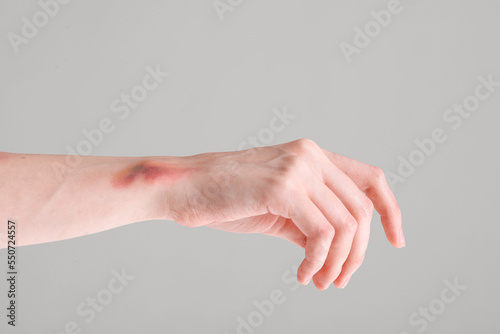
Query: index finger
[{"x": 371, "y": 180}]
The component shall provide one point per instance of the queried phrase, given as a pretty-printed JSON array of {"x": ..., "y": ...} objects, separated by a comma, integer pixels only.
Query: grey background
[{"x": 225, "y": 79}]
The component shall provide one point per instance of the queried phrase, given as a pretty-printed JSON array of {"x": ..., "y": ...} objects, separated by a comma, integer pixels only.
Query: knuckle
[
  {"x": 366, "y": 207},
  {"x": 378, "y": 174},
  {"x": 326, "y": 232},
  {"x": 321, "y": 240},
  {"x": 358, "y": 260},
  {"x": 314, "y": 256},
  {"x": 304, "y": 145},
  {"x": 350, "y": 225}
]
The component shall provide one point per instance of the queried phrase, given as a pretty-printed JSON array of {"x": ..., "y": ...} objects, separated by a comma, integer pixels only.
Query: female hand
[{"x": 317, "y": 199}]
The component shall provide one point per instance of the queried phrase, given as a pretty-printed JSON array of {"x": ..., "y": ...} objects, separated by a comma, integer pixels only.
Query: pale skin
[{"x": 317, "y": 199}]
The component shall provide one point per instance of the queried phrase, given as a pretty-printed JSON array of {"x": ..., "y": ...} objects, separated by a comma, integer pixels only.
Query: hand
[{"x": 319, "y": 200}]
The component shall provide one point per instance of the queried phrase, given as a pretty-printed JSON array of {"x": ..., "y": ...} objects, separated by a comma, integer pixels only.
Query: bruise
[{"x": 149, "y": 172}]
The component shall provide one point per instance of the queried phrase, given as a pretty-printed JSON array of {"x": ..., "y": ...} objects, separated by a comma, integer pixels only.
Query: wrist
[{"x": 165, "y": 182}]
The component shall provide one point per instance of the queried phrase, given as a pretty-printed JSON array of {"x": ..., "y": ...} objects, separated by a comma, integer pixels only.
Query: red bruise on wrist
[{"x": 150, "y": 172}]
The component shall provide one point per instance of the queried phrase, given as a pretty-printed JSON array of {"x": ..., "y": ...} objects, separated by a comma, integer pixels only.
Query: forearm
[
  {"x": 99, "y": 193},
  {"x": 315, "y": 198}
]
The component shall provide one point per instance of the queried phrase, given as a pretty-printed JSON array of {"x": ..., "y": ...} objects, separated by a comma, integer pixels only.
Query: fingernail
[
  {"x": 344, "y": 284},
  {"x": 307, "y": 282},
  {"x": 402, "y": 240}
]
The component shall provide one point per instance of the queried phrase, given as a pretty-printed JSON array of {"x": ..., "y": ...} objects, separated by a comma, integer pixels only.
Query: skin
[
  {"x": 317, "y": 199},
  {"x": 150, "y": 172}
]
